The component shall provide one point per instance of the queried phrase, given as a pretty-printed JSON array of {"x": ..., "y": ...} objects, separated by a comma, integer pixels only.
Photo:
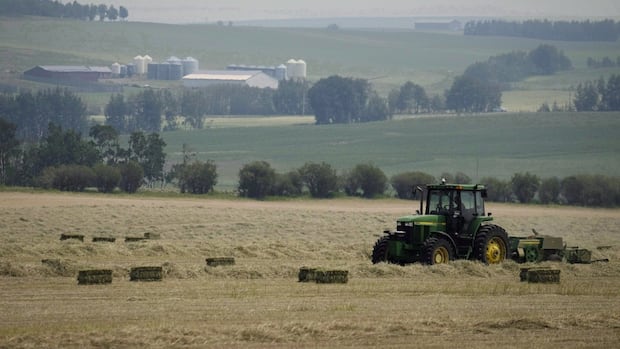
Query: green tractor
[{"x": 454, "y": 225}]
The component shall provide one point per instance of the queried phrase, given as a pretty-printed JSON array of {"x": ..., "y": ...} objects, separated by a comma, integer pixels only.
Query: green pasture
[{"x": 549, "y": 144}]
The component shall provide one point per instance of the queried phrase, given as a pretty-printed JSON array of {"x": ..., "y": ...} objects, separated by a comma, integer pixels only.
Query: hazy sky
[{"x": 185, "y": 11}]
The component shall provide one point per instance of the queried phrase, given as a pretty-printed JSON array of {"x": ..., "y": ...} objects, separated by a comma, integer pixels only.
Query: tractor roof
[{"x": 447, "y": 186}]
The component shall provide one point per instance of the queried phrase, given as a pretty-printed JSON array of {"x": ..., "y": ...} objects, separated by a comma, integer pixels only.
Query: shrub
[
  {"x": 497, "y": 190},
  {"x": 525, "y": 186},
  {"x": 368, "y": 178},
  {"x": 549, "y": 190},
  {"x": 256, "y": 180},
  {"x": 198, "y": 177},
  {"x": 131, "y": 176},
  {"x": 321, "y": 179},
  {"x": 67, "y": 177},
  {"x": 405, "y": 183},
  {"x": 288, "y": 184},
  {"x": 106, "y": 177}
]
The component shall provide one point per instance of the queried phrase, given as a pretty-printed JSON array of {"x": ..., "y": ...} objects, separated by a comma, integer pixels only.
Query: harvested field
[{"x": 258, "y": 302}]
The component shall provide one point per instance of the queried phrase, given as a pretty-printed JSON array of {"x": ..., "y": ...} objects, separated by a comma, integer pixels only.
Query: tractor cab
[{"x": 459, "y": 204}]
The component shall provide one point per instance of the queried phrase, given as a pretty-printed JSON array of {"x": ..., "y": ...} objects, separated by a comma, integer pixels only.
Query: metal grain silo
[
  {"x": 131, "y": 69},
  {"x": 116, "y": 69},
  {"x": 190, "y": 65},
  {"x": 153, "y": 71},
  {"x": 302, "y": 69},
  {"x": 140, "y": 66},
  {"x": 281, "y": 72},
  {"x": 291, "y": 68},
  {"x": 176, "y": 71},
  {"x": 147, "y": 60},
  {"x": 163, "y": 71}
]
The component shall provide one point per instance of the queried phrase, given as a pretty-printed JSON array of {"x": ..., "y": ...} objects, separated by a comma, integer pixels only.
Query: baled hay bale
[
  {"x": 134, "y": 238},
  {"x": 543, "y": 276},
  {"x": 524, "y": 270},
  {"x": 103, "y": 239},
  {"x": 72, "y": 237},
  {"x": 331, "y": 276},
  {"x": 152, "y": 236},
  {"x": 146, "y": 274},
  {"x": 218, "y": 261},
  {"x": 578, "y": 255},
  {"x": 307, "y": 274},
  {"x": 94, "y": 277}
]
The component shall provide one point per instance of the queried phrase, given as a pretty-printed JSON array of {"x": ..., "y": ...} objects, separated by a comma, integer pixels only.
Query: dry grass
[{"x": 258, "y": 302}]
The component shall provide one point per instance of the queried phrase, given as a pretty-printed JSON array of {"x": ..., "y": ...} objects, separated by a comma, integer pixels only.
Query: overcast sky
[{"x": 186, "y": 11}]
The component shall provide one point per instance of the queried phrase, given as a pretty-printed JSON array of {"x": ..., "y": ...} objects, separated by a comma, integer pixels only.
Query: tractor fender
[{"x": 441, "y": 234}]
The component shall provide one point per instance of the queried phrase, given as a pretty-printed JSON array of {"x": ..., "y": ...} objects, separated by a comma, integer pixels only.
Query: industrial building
[
  {"x": 252, "y": 78},
  {"x": 68, "y": 73}
]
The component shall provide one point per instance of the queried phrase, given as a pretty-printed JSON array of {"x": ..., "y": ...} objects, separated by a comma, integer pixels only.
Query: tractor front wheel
[
  {"x": 491, "y": 244},
  {"x": 380, "y": 250},
  {"x": 437, "y": 251}
]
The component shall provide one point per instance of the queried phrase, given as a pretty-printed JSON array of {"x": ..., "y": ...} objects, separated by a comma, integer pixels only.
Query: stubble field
[{"x": 259, "y": 303}]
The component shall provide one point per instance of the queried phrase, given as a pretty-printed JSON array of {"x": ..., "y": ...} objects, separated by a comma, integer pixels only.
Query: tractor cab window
[
  {"x": 440, "y": 202},
  {"x": 467, "y": 201},
  {"x": 479, "y": 204}
]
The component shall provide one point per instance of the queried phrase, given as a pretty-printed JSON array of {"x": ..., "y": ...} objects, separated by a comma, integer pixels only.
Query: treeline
[
  {"x": 31, "y": 113},
  {"x": 604, "y": 62},
  {"x": 480, "y": 87},
  {"x": 598, "y": 95},
  {"x": 64, "y": 160},
  {"x": 49, "y": 8},
  {"x": 604, "y": 30}
]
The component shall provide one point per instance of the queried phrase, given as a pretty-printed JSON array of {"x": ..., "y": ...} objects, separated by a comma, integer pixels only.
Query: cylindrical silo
[
  {"x": 281, "y": 72},
  {"x": 302, "y": 69},
  {"x": 131, "y": 69},
  {"x": 116, "y": 69},
  {"x": 291, "y": 68},
  {"x": 153, "y": 71},
  {"x": 147, "y": 60},
  {"x": 176, "y": 71},
  {"x": 163, "y": 71},
  {"x": 190, "y": 65},
  {"x": 139, "y": 62},
  {"x": 123, "y": 71}
]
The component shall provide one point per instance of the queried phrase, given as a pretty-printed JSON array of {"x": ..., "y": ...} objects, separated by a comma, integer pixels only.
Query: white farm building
[{"x": 252, "y": 78}]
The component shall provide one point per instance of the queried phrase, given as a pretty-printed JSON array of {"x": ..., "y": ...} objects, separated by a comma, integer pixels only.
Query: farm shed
[
  {"x": 252, "y": 78},
  {"x": 68, "y": 73}
]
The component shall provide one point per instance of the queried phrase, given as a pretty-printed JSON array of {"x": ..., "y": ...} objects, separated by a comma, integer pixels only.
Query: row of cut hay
[{"x": 321, "y": 276}]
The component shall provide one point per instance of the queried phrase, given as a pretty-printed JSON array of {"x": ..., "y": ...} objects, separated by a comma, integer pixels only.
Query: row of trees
[
  {"x": 31, "y": 113},
  {"x": 604, "y": 62},
  {"x": 598, "y": 95},
  {"x": 480, "y": 87},
  {"x": 58, "y": 159},
  {"x": 604, "y": 30},
  {"x": 49, "y": 8}
]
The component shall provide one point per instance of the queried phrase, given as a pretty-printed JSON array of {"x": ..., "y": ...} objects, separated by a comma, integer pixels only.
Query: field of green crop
[{"x": 552, "y": 144}]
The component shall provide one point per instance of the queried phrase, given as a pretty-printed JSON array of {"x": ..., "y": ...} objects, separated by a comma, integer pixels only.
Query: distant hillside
[{"x": 389, "y": 58}]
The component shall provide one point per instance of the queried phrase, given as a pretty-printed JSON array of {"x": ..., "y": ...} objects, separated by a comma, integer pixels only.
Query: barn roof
[
  {"x": 228, "y": 75},
  {"x": 75, "y": 69}
]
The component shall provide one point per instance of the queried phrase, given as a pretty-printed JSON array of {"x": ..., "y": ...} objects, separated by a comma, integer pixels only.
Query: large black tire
[
  {"x": 491, "y": 244},
  {"x": 380, "y": 250},
  {"x": 437, "y": 250}
]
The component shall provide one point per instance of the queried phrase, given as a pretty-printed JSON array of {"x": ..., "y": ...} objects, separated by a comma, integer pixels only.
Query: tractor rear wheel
[
  {"x": 491, "y": 244},
  {"x": 380, "y": 250},
  {"x": 437, "y": 251}
]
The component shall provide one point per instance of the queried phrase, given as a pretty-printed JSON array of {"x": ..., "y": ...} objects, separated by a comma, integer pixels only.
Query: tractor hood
[{"x": 422, "y": 220}]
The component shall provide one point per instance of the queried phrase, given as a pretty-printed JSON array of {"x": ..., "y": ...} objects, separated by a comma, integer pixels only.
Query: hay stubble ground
[{"x": 259, "y": 303}]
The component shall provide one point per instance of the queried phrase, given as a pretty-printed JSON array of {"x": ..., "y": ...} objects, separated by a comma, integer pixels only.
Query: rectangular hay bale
[
  {"x": 94, "y": 277},
  {"x": 307, "y": 274},
  {"x": 146, "y": 274},
  {"x": 218, "y": 261},
  {"x": 134, "y": 238},
  {"x": 152, "y": 236},
  {"x": 103, "y": 239},
  {"x": 332, "y": 276},
  {"x": 543, "y": 276},
  {"x": 72, "y": 237},
  {"x": 578, "y": 255}
]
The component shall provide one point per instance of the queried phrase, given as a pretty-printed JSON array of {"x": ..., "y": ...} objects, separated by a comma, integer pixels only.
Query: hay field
[{"x": 259, "y": 303}]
